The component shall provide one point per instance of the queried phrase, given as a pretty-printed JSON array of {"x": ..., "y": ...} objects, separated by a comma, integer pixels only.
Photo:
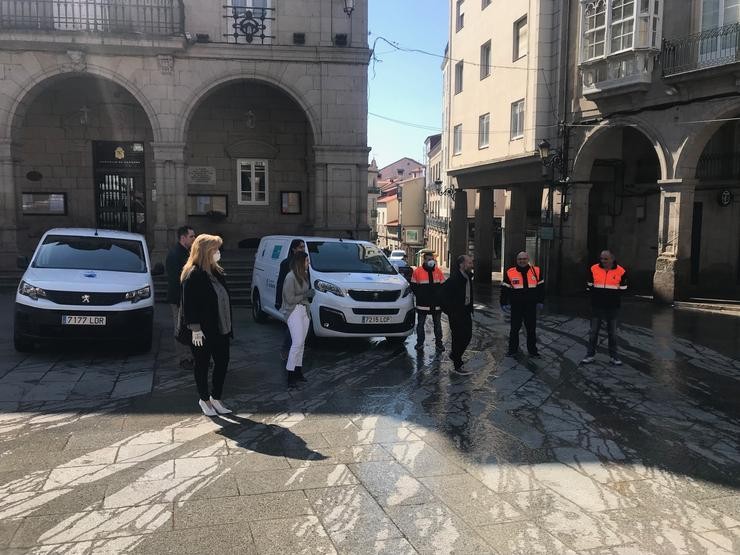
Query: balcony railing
[
  {"x": 718, "y": 166},
  {"x": 146, "y": 17},
  {"x": 440, "y": 224},
  {"x": 248, "y": 24},
  {"x": 710, "y": 48}
]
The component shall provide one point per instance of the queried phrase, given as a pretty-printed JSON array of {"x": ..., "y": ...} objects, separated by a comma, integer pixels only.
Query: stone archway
[
  {"x": 61, "y": 131},
  {"x": 257, "y": 142}
]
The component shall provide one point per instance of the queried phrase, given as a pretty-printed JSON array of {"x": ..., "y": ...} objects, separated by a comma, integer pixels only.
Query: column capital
[
  {"x": 340, "y": 154},
  {"x": 677, "y": 185}
]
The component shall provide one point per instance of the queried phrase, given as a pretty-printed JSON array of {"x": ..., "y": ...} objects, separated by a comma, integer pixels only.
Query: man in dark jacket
[
  {"x": 458, "y": 305},
  {"x": 296, "y": 245},
  {"x": 176, "y": 259},
  {"x": 426, "y": 285},
  {"x": 606, "y": 282},
  {"x": 522, "y": 294}
]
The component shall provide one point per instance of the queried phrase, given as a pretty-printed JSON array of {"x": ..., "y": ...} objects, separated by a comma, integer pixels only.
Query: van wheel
[
  {"x": 258, "y": 314},
  {"x": 144, "y": 345},
  {"x": 22, "y": 344}
]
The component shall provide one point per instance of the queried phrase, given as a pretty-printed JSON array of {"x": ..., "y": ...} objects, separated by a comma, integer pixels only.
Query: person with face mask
[
  {"x": 426, "y": 285},
  {"x": 458, "y": 305},
  {"x": 522, "y": 295},
  {"x": 206, "y": 312}
]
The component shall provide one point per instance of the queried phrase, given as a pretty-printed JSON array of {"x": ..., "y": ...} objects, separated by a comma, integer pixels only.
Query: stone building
[
  {"x": 238, "y": 120},
  {"x": 653, "y": 155},
  {"x": 501, "y": 89},
  {"x": 373, "y": 192}
]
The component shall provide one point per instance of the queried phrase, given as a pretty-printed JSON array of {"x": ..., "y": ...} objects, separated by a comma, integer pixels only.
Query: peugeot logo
[
  {"x": 86, "y": 299},
  {"x": 376, "y": 295}
]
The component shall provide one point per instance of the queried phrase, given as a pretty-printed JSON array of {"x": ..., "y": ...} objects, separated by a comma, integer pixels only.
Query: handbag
[{"x": 182, "y": 332}]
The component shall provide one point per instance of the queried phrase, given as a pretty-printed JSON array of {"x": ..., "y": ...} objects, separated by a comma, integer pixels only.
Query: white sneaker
[
  {"x": 219, "y": 406},
  {"x": 588, "y": 360},
  {"x": 207, "y": 410},
  {"x": 615, "y": 361}
]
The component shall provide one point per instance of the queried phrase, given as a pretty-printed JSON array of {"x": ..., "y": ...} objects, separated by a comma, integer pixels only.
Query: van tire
[
  {"x": 22, "y": 344},
  {"x": 144, "y": 345},
  {"x": 258, "y": 314}
]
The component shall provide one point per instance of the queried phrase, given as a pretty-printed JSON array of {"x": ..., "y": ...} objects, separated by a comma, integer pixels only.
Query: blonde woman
[
  {"x": 206, "y": 311},
  {"x": 297, "y": 296}
]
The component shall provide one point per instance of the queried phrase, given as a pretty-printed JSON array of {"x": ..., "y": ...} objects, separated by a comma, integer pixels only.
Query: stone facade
[
  {"x": 191, "y": 100},
  {"x": 653, "y": 158}
]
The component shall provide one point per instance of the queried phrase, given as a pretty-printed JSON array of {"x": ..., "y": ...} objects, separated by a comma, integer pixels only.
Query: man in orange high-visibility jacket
[
  {"x": 426, "y": 285},
  {"x": 522, "y": 293},
  {"x": 606, "y": 282}
]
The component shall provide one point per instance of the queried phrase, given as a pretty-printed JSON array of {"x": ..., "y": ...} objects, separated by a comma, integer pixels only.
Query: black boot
[
  {"x": 299, "y": 374},
  {"x": 292, "y": 378}
]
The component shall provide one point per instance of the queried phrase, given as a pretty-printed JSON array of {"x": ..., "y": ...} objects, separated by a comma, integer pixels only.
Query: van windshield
[
  {"x": 66, "y": 252},
  {"x": 336, "y": 256}
]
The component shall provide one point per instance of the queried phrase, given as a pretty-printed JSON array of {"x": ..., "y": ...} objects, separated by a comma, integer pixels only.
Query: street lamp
[
  {"x": 349, "y": 7},
  {"x": 551, "y": 157}
]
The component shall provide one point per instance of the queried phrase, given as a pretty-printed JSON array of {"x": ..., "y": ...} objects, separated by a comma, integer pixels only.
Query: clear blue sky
[{"x": 405, "y": 86}]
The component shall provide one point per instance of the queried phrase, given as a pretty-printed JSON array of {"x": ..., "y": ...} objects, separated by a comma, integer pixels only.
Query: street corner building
[
  {"x": 240, "y": 117},
  {"x": 610, "y": 124}
]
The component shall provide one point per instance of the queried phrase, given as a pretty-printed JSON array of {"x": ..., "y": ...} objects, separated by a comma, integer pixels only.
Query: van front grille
[{"x": 387, "y": 296}]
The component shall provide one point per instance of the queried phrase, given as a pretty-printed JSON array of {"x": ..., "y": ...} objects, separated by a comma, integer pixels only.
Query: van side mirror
[
  {"x": 22, "y": 262},
  {"x": 158, "y": 269}
]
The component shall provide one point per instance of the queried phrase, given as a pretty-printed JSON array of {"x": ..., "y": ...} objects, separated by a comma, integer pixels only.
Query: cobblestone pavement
[{"x": 383, "y": 451}]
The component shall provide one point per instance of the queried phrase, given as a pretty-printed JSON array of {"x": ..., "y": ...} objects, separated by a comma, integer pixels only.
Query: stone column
[
  {"x": 8, "y": 208},
  {"x": 171, "y": 198},
  {"x": 459, "y": 226},
  {"x": 573, "y": 242},
  {"x": 484, "y": 236},
  {"x": 673, "y": 267},
  {"x": 515, "y": 225},
  {"x": 340, "y": 192}
]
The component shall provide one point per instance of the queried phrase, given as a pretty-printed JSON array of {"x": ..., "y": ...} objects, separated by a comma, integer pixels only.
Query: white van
[
  {"x": 358, "y": 291},
  {"x": 86, "y": 284}
]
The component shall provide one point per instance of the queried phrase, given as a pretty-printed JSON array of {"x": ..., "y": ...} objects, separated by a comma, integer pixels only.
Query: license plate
[
  {"x": 83, "y": 320},
  {"x": 376, "y": 319}
]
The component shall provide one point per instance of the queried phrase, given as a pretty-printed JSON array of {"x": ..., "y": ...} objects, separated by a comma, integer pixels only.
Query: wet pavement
[{"x": 384, "y": 450}]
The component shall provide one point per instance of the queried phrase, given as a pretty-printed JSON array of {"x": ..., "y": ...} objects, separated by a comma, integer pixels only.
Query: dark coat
[
  {"x": 176, "y": 259},
  {"x": 605, "y": 298},
  {"x": 200, "y": 302},
  {"x": 453, "y": 295}
]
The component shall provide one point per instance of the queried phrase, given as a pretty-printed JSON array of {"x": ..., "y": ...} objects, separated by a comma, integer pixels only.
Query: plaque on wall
[{"x": 201, "y": 175}]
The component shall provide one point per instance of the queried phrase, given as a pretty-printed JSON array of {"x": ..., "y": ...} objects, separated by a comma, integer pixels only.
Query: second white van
[{"x": 358, "y": 291}]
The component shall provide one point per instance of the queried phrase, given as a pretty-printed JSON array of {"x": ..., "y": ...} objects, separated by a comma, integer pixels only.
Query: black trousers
[
  {"x": 461, "y": 329},
  {"x": 527, "y": 313},
  {"x": 216, "y": 347}
]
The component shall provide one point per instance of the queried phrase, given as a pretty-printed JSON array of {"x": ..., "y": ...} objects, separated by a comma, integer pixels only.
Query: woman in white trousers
[{"x": 297, "y": 296}]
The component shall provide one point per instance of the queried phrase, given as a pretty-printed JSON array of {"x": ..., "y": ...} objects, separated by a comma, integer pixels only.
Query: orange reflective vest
[
  {"x": 515, "y": 278},
  {"x": 421, "y": 275},
  {"x": 601, "y": 278},
  {"x": 427, "y": 289}
]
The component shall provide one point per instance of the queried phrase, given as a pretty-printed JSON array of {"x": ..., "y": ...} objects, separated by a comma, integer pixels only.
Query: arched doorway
[
  {"x": 624, "y": 203},
  {"x": 82, "y": 157},
  {"x": 249, "y": 157},
  {"x": 715, "y": 239}
]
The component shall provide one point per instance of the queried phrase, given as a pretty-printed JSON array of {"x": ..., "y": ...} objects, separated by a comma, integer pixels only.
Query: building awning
[
  {"x": 386, "y": 199},
  {"x": 392, "y": 223},
  {"x": 500, "y": 174}
]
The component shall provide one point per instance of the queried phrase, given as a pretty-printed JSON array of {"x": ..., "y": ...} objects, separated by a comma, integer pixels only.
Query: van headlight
[
  {"x": 406, "y": 292},
  {"x": 30, "y": 290},
  {"x": 139, "y": 294},
  {"x": 326, "y": 287}
]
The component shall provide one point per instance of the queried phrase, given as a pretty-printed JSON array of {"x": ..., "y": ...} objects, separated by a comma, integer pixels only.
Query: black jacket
[
  {"x": 606, "y": 290},
  {"x": 427, "y": 292},
  {"x": 527, "y": 295},
  {"x": 176, "y": 259},
  {"x": 200, "y": 302},
  {"x": 453, "y": 294}
]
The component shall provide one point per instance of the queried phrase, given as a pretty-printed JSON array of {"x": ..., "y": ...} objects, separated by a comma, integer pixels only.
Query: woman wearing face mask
[
  {"x": 297, "y": 296},
  {"x": 206, "y": 311}
]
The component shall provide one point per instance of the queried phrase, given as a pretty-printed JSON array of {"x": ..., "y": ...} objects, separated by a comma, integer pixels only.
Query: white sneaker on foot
[
  {"x": 588, "y": 359},
  {"x": 615, "y": 361},
  {"x": 206, "y": 408},
  {"x": 219, "y": 406}
]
